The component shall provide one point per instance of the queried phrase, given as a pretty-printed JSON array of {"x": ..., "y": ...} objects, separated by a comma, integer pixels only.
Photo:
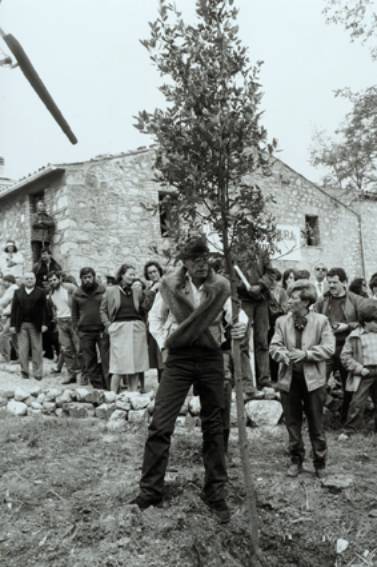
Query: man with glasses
[
  {"x": 320, "y": 283},
  {"x": 187, "y": 321}
]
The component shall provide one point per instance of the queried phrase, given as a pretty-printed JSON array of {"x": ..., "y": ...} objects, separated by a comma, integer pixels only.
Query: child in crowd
[{"x": 359, "y": 357}]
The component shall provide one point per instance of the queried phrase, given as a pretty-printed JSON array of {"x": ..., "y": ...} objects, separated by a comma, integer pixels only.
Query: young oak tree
[{"x": 209, "y": 143}]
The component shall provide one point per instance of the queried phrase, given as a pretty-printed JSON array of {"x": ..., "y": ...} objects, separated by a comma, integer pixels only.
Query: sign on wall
[{"x": 289, "y": 242}]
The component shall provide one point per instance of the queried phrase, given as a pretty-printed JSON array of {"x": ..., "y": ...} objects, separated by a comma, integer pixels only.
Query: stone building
[{"x": 103, "y": 218}]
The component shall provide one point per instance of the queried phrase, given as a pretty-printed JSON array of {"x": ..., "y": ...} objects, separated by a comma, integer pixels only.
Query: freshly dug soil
[{"x": 65, "y": 487}]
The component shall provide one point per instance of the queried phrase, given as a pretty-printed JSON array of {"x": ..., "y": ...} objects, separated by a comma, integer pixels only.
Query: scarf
[{"x": 194, "y": 323}]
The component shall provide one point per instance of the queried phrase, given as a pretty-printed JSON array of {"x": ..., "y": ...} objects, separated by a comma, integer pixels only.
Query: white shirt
[
  {"x": 29, "y": 290},
  {"x": 59, "y": 297},
  {"x": 162, "y": 322},
  {"x": 12, "y": 258}
]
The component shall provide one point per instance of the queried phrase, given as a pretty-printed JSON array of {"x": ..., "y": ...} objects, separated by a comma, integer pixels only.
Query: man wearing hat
[
  {"x": 12, "y": 262},
  {"x": 187, "y": 322}
]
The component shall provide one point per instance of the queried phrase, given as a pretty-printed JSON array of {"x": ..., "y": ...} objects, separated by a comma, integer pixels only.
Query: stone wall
[
  {"x": 101, "y": 220},
  {"x": 367, "y": 208},
  {"x": 294, "y": 197},
  {"x": 105, "y": 223}
]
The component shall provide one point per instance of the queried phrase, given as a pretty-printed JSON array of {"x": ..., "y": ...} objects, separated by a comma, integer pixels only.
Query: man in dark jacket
[
  {"x": 42, "y": 230},
  {"x": 255, "y": 302},
  {"x": 29, "y": 320},
  {"x": 45, "y": 265},
  {"x": 342, "y": 308},
  {"x": 86, "y": 301}
]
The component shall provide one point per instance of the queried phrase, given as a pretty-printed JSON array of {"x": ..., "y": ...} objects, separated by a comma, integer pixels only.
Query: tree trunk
[{"x": 251, "y": 503}]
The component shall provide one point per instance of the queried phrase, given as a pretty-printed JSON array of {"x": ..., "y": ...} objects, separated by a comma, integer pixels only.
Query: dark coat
[
  {"x": 42, "y": 270},
  {"x": 258, "y": 272},
  {"x": 43, "y": 227},
  {"x": 86, "y": 309},
  {"x": 351, "y": 307},
  {"x": 39, "y": 309}
]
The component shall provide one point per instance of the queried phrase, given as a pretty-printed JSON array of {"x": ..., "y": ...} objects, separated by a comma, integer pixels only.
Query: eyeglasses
[
  {"x": 200, "y": 259},
  {"x": 321, "y": 269}
]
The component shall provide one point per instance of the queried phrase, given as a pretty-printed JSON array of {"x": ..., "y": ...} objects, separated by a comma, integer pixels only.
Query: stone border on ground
[{"x": 127, "y": 407}]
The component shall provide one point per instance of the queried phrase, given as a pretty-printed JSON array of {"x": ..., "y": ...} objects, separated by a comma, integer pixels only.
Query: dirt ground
[{"x": 65, "y": 487}]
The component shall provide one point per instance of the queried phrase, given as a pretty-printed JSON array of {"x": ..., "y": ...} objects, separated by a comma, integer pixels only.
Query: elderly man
[
  {"x": 342, "y": 308},
  {"x": 29, "y": 320},
  {"x": 302, "y": 343},
  {"x": 187, "y": 322}
]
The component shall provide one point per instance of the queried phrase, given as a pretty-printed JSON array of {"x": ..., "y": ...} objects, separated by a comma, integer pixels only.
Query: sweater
[{"x": 86, "y": 309}]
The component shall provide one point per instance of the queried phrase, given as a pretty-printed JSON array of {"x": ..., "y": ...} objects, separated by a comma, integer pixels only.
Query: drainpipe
[{"x": 361, "y": 239}]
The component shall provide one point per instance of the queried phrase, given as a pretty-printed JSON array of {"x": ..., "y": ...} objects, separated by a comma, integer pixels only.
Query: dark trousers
[
  {"x": 36, "y": 248},
  {"x": 184, "y": 367},
  {"x": 295, "y": 403},
  {"x": 368, "y": 386},
  {"x": 259, "y": 317},
  {"x": 333, "y": 365},
  {"x": 69, "y": 344},
  {"x": 94, "y": 371}
]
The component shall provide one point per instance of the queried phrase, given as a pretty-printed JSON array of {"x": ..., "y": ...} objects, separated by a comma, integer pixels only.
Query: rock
[
  {"x": 34, "y": 391},
  {"x": 185, "y": 407},
  {"x": 88, "y": 396},
  {"x": 194, "y": 405},
  {"x": 269, "y": 393},
  {"x": 180, "y": 421},
  {"x": 373, "y": 513},
  {"x": 110, "y": 397},
  {"x": 117, "y": 421},
  {"x": 78, "y": 409},
  {"x": 3, "y": 402},
  {"x": 32, "y": 411},
  {"x": 7, "y": 394},
  {"x": 150, "y": 407},
  {"x": 343, "y": 437},
  {"x": 137, "y": 416},
  {"x": 337, "y": 482},
  {"x": 41, "y": 398},
  {"x": 104, "y": 411},
  {"x": 65, "y": 397},
  {"x": 264, "y": 412},
  {"x": 29, "y": 400},
  {"x": 139, "y": 401},
  {"x": 36, "y": 405},
  {"x": 51, "y": 394},
  {"x": 123, "y": 403},
  {"x": 17, "y": 408},
  {"x": 341, "y": 545},
  {"x": 20, "y": 394},
  {"x": 59, "y": 412},
  {"x": 48, "y": 408}
]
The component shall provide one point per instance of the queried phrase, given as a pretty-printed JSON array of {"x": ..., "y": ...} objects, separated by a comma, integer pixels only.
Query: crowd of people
[{"x": 296, "y": 329}]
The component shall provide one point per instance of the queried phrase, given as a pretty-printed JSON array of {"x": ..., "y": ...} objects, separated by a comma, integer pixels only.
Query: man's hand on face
[
  {"x": 296, "y": 355},
  {"x": 238, "y": 331}
]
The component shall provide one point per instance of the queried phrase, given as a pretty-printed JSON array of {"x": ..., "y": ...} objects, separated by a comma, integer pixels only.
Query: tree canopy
[{"x": 208, "y": 137}]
